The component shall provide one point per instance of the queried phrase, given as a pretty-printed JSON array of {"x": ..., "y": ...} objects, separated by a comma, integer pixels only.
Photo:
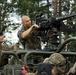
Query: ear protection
[{"x": 44, "y": 69}]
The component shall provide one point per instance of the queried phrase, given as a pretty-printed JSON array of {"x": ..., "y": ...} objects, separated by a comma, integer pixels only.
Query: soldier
[
  {"x": 26, "y": 34},
  {"x": 58, "y": 63}
]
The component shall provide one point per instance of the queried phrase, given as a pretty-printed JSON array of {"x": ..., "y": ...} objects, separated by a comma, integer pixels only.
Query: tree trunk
[{"x": 55, "y": 7}]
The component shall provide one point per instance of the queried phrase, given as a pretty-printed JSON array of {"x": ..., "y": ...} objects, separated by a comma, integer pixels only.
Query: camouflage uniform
[{"x": 31, "y": 41}]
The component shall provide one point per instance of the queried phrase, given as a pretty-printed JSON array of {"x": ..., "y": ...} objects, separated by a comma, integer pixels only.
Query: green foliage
[
  {"x": 31, "y": 8},
  {"x": 6, "y": 8}
]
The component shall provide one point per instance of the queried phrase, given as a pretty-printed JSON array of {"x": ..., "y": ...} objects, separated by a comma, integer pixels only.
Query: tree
[
  {"x": 32, "y": 7},
  {"x": 5, "y": 9}
]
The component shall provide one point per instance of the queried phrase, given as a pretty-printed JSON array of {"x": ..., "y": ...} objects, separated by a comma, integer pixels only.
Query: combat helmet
[{"x": 56, "y": 58}]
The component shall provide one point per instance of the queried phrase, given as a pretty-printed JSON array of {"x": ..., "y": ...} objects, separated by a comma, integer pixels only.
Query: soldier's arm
[
  {"x": 72, "y": 69},
  {"x": 27, "y": 32}
]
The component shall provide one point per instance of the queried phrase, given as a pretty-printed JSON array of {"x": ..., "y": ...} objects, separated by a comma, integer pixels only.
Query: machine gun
[
  {"x": 54, "y": 22},
  {"x": 55, "y": 25}
]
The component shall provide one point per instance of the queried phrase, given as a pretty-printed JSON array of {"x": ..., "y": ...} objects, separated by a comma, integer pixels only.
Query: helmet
[{"x": 56, "y": 58}]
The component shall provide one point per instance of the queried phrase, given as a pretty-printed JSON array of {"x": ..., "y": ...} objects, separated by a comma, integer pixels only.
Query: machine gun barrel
[{"x": 65, "y": 17}]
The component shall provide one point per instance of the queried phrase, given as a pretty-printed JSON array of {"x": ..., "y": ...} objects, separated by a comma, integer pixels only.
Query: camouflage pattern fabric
[
  {"x": 31, "y": 42},
  {"x": 56, "y": 58}
]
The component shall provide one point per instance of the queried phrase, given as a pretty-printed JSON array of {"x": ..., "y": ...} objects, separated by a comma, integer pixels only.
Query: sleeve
[
  {"x": 22, "y": 41},
  {"x": 19, "y": 33}
]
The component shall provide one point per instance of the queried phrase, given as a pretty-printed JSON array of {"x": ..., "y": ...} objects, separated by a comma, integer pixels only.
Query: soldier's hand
[{"x": 35, "y": 26}]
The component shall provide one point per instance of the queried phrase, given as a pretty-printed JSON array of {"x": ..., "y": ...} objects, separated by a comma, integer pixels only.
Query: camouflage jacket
[{"x": 31, "y": 41}]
